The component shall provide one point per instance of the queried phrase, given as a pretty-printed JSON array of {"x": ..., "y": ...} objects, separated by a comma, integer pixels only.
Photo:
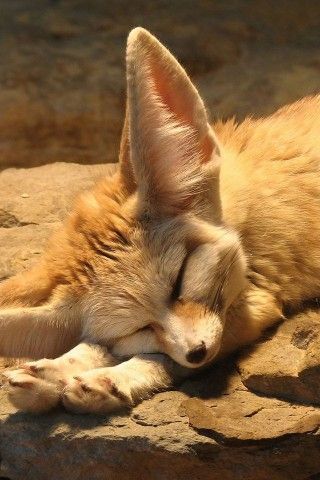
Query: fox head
[{"x": 178, "y": 268}]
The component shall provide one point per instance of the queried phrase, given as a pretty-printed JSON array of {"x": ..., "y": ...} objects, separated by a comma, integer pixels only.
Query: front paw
[
  {"x": 96, "y": 392},
  {"x": 30, "y": 393},
  {"x": 35, "y": 386}
]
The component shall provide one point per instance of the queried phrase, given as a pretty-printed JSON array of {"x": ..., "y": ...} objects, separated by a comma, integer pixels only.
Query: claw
[
  {"x": 85, "y": 387},
  {"x": 5, "y": 376},
  {"x": 20, "y": 384},
  {"x": 31, "y": 370},
  {"x": 106, "y": 382}
]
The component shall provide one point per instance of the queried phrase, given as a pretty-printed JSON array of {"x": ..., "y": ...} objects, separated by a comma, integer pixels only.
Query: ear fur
[
  {"x": 127, "y": 177},
  {"x": 171, "y": 142}
]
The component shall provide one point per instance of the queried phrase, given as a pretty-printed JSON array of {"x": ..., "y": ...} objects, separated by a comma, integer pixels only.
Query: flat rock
[
  {"x": 213, "y": 427},
  {"x": 288, "y": 364}
]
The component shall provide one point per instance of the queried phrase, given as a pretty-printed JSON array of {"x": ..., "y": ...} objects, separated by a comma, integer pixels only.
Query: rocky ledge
[{"x": 254, "y": 417}]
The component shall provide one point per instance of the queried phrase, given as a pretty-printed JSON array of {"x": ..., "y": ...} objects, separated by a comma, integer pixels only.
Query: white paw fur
[
  {"x": 36, "y": 386},
  {"x": 97, "y": 391},
  {"x": 29, "y": 392},
  {"x": 39, "y": 386}
]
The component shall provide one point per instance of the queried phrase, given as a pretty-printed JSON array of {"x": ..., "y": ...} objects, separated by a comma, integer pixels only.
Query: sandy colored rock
[
  {"x": 212, "y": 427},
  {"x": 288, "y": 364},
  {"x": 273, "y": 419}
]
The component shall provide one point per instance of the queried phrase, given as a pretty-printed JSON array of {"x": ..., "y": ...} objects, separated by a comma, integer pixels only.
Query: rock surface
[
  {"x": 212, "y": 428},
  {"x": 62, "y": 72},
  {"x": 288, "y": 364}
]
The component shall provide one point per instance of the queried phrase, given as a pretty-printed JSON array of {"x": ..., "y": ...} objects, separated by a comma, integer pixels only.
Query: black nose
[{"x": 197, "y": 354}]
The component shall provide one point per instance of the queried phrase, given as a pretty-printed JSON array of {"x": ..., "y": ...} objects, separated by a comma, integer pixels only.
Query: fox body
[{"x": 195, "y": 246}]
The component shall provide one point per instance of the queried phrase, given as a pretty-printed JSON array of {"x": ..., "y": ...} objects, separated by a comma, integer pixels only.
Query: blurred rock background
[{"x": 62, "y": 71}]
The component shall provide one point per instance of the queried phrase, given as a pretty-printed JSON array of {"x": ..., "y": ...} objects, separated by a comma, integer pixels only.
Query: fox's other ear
[{"x": 172, "y": 146}]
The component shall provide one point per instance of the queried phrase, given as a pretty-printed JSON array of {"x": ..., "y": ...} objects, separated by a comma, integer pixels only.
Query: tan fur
[{"x": 192, "y": 249}]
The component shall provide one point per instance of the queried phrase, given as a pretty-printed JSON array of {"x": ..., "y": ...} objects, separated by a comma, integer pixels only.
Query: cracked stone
[
  {"x": 7, "y": 220},
  {"x": 288, "y": 364}
]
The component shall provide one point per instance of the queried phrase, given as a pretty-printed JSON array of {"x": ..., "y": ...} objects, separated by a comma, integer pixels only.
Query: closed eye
[{"x": 177, "y": 287}]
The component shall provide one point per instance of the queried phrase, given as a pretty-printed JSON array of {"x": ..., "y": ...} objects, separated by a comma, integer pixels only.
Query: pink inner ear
[
  {"x": 173, "y": 93},
  {"x": 170, "y": 95}
]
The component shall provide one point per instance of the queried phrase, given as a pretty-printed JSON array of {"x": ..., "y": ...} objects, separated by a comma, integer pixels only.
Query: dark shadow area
[
  {"x": 76, "y": 422},
  {"x": 211, "y": 382}
]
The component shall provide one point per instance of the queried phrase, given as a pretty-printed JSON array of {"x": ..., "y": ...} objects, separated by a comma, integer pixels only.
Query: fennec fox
[{"x": 191, "y": 249}]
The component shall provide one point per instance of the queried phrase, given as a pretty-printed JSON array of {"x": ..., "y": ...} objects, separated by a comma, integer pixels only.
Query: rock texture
[
  {"x": 32, "y": 205},
  {"x": 214, "y": 427},
  {"x": 62, "y": 72},
  {"x": 288, "y": 364}
]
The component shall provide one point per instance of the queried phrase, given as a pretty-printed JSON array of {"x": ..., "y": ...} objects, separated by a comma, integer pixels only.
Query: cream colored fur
[{"x": 194, "y": 248}]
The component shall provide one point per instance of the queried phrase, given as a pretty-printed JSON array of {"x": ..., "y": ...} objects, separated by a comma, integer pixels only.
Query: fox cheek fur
[{"x": 210, "y": 279}]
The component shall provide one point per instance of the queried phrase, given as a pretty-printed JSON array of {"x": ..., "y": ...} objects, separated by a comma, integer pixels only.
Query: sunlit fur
[{"x": 202, "y": 237}]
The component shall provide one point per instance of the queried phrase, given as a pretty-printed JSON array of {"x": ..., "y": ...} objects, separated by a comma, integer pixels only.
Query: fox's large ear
[{"x": 172, "y": 146}]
